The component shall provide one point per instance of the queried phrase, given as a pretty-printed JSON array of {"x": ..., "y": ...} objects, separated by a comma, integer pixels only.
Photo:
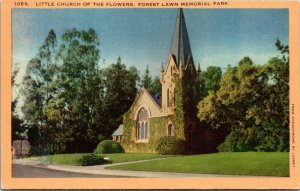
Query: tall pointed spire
[{"x": 181, "y": 47}]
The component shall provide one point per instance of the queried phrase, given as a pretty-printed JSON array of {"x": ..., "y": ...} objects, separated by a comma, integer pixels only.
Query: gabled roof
[
  {"x": 157, "y": 98},
  {"x": 156, "y": 101},
  {"x": 181, "y": 47},
  {"x": 119, "y": 131}
]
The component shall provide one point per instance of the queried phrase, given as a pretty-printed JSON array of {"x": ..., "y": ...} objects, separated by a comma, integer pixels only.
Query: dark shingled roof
[
  {"x": 157, "y": 98},
  {"x": 181, "y": 47}
]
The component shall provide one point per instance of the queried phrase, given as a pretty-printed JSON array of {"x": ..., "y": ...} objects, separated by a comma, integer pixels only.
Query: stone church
[{"x": 173, "y": 111}]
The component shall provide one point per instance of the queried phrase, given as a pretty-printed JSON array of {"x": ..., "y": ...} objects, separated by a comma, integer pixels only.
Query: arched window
[
  {"x": 167, "y": 97},
  {"x": 138, "y": 131},
  {"x": 142, "y": 131},
  {"x": 142, "y": 126},
  {"x": 146, "y": 130},
  {"x": 170, "y": 130}
]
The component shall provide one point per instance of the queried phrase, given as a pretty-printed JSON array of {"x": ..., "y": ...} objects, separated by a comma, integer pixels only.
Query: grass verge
[
  {"x": 73, "y": 159},
  {"x": 243, "y": 163}
]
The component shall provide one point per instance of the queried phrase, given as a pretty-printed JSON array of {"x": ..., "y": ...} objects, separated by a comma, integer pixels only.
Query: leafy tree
[
  {"x": 245, "y": 60},
  {"x": 227, "y": 107},
  {"x": 33, "y": 95},
  {"x": 211, "y": 78},
  {"x": 252, "y": 103},
  {"x": 18, "y": 128},
  {"x": 284, "y": 50},
  {"x": 33, "y": 107},
  {"x": 120, "y": 84},
  {"x": 273, "y": 113},
  {"x": 40, "y": 72},
  {"x": 70, "y": 103},
  {"x": 79, "y": 92},
  {"x": 63, "y": 90}
]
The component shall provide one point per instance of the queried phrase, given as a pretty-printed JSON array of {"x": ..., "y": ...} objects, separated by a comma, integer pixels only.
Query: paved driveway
[
  {"x": 101, "y": 171},
  {"x": 28, "y": 171}
]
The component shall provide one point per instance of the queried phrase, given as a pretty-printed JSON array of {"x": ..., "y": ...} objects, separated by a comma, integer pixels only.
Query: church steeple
[
  {"x": 180, "y": 47},
  {"x": 180, "y": 63}
]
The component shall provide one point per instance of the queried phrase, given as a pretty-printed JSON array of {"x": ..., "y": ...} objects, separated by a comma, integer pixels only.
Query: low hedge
[
  {"x": 170, "y": 146},
  {"x": 92, "y": 159},
  {"x": 108, "y": 146}
]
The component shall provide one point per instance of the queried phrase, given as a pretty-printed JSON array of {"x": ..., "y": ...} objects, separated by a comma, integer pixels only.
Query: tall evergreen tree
[
  {"x": 121, "y": 89},
  {"x": 146, "y": 80},
  {"x": 155, "y": 86}
]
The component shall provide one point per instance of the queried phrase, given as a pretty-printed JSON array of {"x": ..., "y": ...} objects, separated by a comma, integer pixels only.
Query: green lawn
[
  {"x": 244, "y": 163},
  {"x": 73, "y": 159}
]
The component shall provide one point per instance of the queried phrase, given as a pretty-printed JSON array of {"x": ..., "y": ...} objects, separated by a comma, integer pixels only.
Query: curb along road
[{"x": 101, "y": 170}]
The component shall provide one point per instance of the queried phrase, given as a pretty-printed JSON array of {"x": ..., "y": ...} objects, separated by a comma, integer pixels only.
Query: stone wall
[{"x": 157, "y": 127}]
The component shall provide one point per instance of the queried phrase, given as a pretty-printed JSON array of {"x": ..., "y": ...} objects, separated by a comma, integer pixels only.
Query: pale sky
[{"x": 143, "y": 37}]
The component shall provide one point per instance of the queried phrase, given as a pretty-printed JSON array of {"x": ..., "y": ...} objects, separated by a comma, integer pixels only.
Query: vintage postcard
[{"x": 150, "y": 94}]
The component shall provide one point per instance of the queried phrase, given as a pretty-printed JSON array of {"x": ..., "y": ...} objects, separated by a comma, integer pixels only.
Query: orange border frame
[{"x": 7, "y": 182}]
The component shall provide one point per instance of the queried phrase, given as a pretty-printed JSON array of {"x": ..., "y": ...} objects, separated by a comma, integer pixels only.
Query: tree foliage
[
  {"x": 252, "y": 103},
  {"x": 155, "y": 86},
  {"x": 71, "y": 104},
  {"x": 152, "y": 85},
  {"x": 121, "y": 89},
  {"x": 211, "y": 79},
  {"x": 146, "y": 80},
  {"x": 18, "y": 128},
  {"x": 36, "y": 91}
]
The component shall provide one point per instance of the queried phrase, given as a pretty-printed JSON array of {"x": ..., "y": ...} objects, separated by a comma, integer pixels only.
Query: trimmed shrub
[
  {"x": 235, "y": 142},
  {"x": 108, "y": 146},
  {"x": 170, "y": 146},
  {"x": 92, "y": 159}
]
